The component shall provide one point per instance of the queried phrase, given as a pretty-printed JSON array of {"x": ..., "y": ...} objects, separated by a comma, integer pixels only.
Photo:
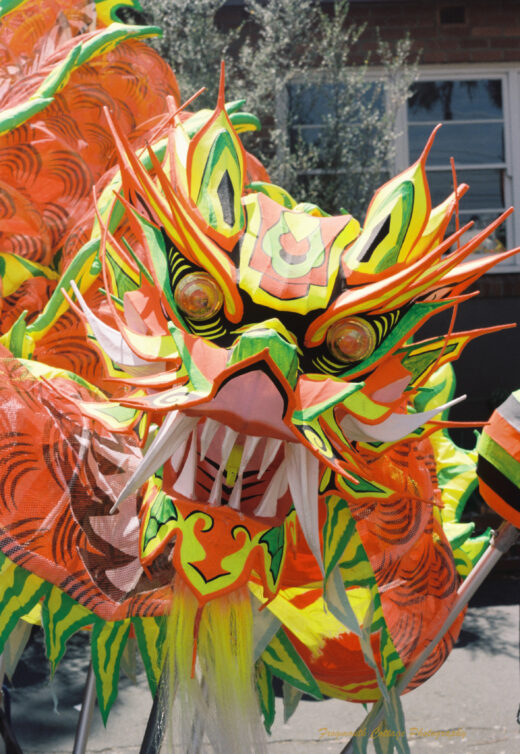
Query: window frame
[{"x": 509, "y": 74}]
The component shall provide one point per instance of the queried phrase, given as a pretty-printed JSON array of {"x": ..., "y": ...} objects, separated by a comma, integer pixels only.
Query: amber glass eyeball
[
  {"x": 351, "y": 339},
  {"x": 198, "y": 296}
]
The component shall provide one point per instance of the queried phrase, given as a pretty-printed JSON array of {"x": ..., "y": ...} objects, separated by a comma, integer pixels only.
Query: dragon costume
[{"x": 218, "y": 432}]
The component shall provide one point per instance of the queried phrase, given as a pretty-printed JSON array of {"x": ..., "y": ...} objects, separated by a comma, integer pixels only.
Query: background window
[{"x": 473, "y": 133}]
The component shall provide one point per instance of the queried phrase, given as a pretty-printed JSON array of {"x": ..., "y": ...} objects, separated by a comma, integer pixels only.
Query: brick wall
[{"x": 444, "y": 31}]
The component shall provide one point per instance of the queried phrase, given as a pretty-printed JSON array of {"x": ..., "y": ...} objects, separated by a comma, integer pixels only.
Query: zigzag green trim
[
  {"x": 19, "y": 592},
  {"x": 264, "y": 687},
  {"x": 61, "y": 618},
  {"x": 107, "y": 644},
  {"x": 282, "y": 658},
  {"x": 151, "y": 640}
]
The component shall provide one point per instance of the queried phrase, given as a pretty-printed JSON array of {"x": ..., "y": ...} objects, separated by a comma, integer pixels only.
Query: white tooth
[
  {"x": 176, "y": 459},
  {"x": 227, "y": 446},
  {"x": 234, "y": 498},
  {"x": 249, "y": 448},
  {"x": 216, "y": 490},
  {"x": 303, "y": 478},
  {"x": 271, "y": 449},
  {"x": 208, "y": 433},
  {"x": 185, "y": 484},
  {"x": 392, "y": 429},
  {"x": 173, "y": 432},
  {"x": 110, "y": 340},
  {"x": 277, "y": 487}
]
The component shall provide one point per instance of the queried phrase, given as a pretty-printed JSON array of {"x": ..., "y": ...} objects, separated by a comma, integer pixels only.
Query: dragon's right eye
[
  {"x": 198, "y": 296},
  {"x": 351, "y": 339}
]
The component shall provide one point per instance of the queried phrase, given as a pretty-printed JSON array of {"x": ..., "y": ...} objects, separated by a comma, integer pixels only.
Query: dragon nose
[{"x": 273, "y": 336}]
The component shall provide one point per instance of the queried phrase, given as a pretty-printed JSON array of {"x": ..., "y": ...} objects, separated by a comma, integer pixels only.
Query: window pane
[
  {"x": 455, "y": 100},
  {"x": 485, "y": 188},
  {"x": 468, "y": 143},
  {"x": 311, "y": 104},
  {"x": 309, "y": 134},
  {"x": 494, "y": 243}
]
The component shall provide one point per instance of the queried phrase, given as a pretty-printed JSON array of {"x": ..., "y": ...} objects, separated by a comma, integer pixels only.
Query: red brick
[
  {"x": 487, "y": 56},
  {"x": 511, "y": 55},
  {"x": 474, "y": 44},
  {"x": 434, "y": 56},
  {"x": 495, "y": 31}
]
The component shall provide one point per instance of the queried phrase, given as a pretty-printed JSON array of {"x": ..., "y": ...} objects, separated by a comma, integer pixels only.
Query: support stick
[
  {"x": 156, "y": 725},
  {"x": 85, "y": 716},
  {"x": 6, "y": 732},
  {"x": 503, "y": 539}
]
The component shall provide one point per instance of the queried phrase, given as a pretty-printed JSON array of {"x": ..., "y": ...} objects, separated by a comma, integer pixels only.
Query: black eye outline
[
  {"x": 190, "y": 280},
  {"x": 363, "y": 327}
]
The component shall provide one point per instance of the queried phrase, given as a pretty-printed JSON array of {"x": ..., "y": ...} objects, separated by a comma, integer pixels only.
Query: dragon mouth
[
  {"x": 236, "y": 451},
  {"x": 258, "y": 477},
  {"x": 216, "y": 465}
]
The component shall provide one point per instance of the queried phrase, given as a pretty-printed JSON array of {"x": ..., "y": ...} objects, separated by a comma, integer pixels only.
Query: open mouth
[
  {"x": 232, "y": 451},
  {"x": 217, "y": 465},
  {"x": 260, "y": 477}
]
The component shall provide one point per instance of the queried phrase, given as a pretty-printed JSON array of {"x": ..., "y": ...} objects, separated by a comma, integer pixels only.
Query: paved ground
[{"x": 469, "y": 707}]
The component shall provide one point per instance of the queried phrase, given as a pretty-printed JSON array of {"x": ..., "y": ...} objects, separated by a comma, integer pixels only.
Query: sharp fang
[
  {"x": 227, "y": 446},
  {"x": 303, "y": 478},
  {"x": 230, "y": 437},
  {"x": 216, "y": 490},
  {"x": 176, "y": 459},
  {"x": 271, "y": 449},
  {"x": 185, "y": 484},
  {"x": 174, "y": 431},
  {"x": 269, "y": 502},
  {"x": 392, "y": 429},
  {"x": 249, "y": 448},
  {"x": 109, "y": 339},
  {"x": 208, "y": 433},
  {"x": 234, "y": 498}
]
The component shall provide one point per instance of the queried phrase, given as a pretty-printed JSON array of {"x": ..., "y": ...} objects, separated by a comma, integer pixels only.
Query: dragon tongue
[{"x": 303, "y": 478}]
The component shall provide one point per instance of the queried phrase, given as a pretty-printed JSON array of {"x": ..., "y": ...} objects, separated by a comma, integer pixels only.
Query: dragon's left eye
[
  {"x": 351, "y": 339},
  {"x": 198, "y": 296}
]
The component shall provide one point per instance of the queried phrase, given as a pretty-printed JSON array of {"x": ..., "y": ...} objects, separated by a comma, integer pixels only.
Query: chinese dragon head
[{"x": 264, "y": 453}]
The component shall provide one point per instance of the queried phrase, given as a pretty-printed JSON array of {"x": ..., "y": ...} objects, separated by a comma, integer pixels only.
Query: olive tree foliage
[{"x": 292, "y": 62}]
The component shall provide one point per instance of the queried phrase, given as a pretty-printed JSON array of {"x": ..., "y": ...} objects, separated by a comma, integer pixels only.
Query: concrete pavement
[{"x": 468, "y": 707}]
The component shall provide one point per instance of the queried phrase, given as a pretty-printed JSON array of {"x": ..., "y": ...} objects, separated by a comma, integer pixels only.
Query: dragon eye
[
  {"x": 198, "y": 296},
  {"x": 351, "y": 339}
]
